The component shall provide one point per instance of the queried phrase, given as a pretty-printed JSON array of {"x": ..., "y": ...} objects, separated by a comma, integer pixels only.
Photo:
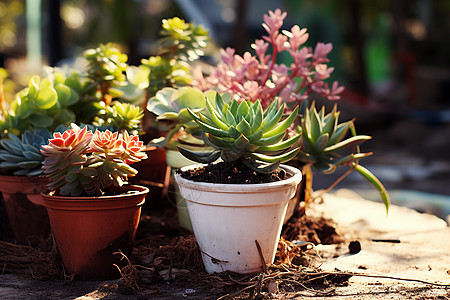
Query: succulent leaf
[
  {"x": 206, "y": 157},
  {"x": 375, "y": 183},
  {"x": 22, "y": 157},
  {"x": 256, "y": 137},
  {"x": 350, "y": 142},
  {"x": 282, "y": 145}
]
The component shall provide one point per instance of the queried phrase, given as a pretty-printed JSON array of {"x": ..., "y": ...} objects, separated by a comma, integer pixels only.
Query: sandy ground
[{"x": 414, "y": 255}]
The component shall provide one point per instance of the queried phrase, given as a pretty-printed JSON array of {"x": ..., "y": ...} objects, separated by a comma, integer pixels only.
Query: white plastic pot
[{"x": 227, "y": 219}]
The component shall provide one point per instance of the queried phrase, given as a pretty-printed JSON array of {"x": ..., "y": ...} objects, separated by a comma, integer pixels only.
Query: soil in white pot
[{"x": 231, "y": 173}]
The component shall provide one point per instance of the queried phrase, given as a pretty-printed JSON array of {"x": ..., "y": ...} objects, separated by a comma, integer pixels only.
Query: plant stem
[{"x": 333, "y": 184}]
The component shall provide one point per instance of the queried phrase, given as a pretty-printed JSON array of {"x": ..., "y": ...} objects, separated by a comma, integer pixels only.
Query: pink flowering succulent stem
[
  {"x": 259, "y": 77},
  {"x": 272, "y": 63}
]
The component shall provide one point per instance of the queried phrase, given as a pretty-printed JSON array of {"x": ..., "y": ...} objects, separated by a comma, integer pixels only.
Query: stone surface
[
  {"x": 415, "y": 251},
  {"x": 411, "y": 245}
]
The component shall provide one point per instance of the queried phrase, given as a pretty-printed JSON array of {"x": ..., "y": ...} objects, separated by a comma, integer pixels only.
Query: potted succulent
[
  {"x": 93, "y": 212},
  {"x": 21, "y": 184},
  {"x": 237, "y": 219},
  {"x": 266, "y": 75},
  {"x": 111, "y": 95},
  {"x": 25, "y": 125}
]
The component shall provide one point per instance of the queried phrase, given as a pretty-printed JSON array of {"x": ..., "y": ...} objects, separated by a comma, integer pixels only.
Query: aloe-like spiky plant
[
  {"x": 22, "y": 157},
  {"x": 324, "y": 140},
  {"x": 242, "y": 131},
  {"x": 325, "y": 145}
]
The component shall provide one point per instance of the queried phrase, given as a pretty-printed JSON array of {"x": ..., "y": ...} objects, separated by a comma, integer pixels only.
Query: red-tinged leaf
[
  {"x": 57, "y": 142},
  {"x": 69, "y": 141}
]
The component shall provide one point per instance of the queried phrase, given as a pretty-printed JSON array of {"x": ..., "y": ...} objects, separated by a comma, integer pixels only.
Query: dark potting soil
[
  {"x": 232, "y": 173},
  {"x": 316, "y": 230}
]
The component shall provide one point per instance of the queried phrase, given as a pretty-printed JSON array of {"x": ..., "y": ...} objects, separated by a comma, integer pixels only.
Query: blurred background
[{"x": 393, "y": 57}]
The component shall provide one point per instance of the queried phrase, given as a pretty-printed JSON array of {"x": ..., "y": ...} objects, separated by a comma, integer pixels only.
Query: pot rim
[
  {"x": 139, "y": 188},
  {"x": 239, "y": 187}
]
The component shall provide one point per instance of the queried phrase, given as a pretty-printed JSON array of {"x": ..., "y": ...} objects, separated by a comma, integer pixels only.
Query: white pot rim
[{"x": 241, "y": 188}]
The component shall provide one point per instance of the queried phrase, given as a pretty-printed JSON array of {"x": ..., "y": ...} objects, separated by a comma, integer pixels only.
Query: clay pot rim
[{"x": 139, "y": 189}]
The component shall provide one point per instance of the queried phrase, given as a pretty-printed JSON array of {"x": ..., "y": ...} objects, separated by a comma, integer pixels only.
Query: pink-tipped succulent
[
  {"x": 81, "y": 162},
  {"x": 259, "y": 77}
]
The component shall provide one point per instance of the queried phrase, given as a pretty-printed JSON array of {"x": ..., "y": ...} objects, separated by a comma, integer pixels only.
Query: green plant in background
[
  {"x": 325, "y": 145},
  {"x": 104, "y": 90},
  {"x": 243, "y": 132},
  {"x": 122, "y": 116},
  {"x": 8, "y": 90},
  {"x": 106, "y": 67},
  {"x": 171, "y": 108},
  {"x": 105, "y": 71},
  {"x": 22, "y": 157},
  {"x": 181, "y": 43},
  {"x": 42, "y": 104}
]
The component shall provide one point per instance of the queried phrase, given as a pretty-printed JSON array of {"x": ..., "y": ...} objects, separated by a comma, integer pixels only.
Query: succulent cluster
[
  {"x": 122, "y": 116},
  {"x": 260, "y": 77},
  {"x": 81, "y": 162},
  {"x": 171, "y": 109},
  {"x": 106, "y": 66},
  {"x": 107, "y": 80},
  {"x": 243, "y": 131},
  {"x": 325, "y": 145},
  {"x": 43, "y": 104},
  {"x": 22, "y": 157},
  {"x": 324, "y": 140},
  {"x": 181, "y": 42}
]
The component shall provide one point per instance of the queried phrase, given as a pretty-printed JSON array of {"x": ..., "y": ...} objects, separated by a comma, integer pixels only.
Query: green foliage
[
  {"x": 105, "y": 80},
  {"x": 242, "y": 131},
  {"x": 181, "y": 39},
  {"x": 171, "y": 108},
  {"x": 325, "y": 145},
  {"x": 43, "y": 104},
  {"x": 106, "y": 64},
  {"x": 122, "y": 116},
  {"x": 181, "y": 42},
  {"x": 324, "y": 140},
  {"x": 22, "y": 157}
]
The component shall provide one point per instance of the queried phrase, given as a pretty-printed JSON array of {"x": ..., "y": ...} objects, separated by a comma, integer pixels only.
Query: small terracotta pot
[
  {"x": 153, "y": 173},
  {"x": 89, "y": 231},
  {"x": 25, "y": 207}
]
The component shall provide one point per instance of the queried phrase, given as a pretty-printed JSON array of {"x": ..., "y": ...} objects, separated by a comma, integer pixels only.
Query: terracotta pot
[
  {"x": 25, "y": 207},
  {"x": 154, "y": 174},
  {"x": 89, "y": 230},
  {"x": 228, "y": 219}
]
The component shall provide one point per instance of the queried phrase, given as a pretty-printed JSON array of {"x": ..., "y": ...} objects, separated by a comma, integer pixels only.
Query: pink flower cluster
[{"x": 259, "y": 77}]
